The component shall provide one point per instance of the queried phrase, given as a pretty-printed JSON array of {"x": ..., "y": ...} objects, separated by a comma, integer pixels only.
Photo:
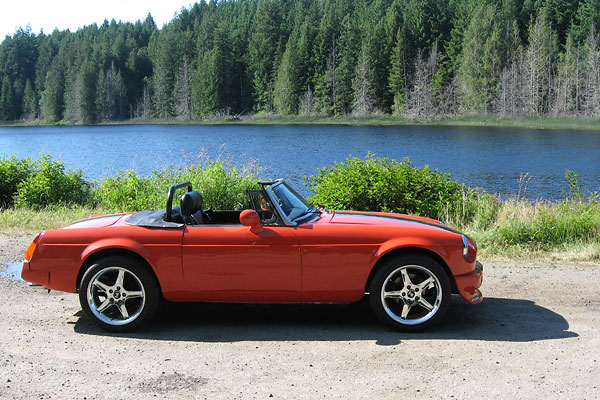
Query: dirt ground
[{"x": 536, "y": 335}]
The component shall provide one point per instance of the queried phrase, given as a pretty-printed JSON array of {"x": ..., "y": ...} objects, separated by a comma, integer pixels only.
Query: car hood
[
  {"x": 384, "y": 219},
  {"x": 95, "y": 221}
]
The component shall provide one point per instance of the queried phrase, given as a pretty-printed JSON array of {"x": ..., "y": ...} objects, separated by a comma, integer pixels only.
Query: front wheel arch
[
  {"x": 95, "y": 257},
  {"x": 407, "y": 251}
]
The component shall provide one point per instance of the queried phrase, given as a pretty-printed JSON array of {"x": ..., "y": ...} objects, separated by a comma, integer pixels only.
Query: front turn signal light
[{"x": 32, "y": 246}]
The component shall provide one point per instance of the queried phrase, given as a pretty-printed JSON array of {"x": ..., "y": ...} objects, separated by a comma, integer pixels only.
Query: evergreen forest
[{"x": 413, "y": 58}]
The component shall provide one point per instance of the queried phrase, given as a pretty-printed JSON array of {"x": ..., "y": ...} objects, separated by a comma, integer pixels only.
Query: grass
[
  {"x": 24, "y": 220},
  {"x": 563, "y": 123},
  {"x": 568, "y": 230}
]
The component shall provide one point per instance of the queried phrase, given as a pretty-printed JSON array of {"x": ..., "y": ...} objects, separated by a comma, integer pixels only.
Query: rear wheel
[
  {"x": 410, "y": 293},
  {"x": 118, "y": 294}
]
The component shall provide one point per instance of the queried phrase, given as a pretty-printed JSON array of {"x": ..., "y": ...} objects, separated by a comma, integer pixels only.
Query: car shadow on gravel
[{"x": 495, "y": 319}]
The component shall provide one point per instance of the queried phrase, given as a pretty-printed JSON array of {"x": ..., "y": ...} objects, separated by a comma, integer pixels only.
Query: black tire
[
  {"x": 118, "y": 294},
  {"x": 410, "y": 293}
]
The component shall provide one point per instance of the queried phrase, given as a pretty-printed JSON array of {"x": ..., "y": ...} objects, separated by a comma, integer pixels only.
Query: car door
[{"x": 231, "y": 263}]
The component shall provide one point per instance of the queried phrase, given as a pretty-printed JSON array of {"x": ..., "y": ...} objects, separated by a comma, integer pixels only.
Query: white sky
[{"x": 74, "y": 14}]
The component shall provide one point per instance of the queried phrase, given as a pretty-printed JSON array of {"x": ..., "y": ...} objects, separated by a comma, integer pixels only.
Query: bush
[
  {"x": 12, "y": 173},
  {"x": 127, "y": 191},
  {"x": 51, "y": 183},
  {"x": 222, "y": 186},
  {"x": 382, "y": 184}
]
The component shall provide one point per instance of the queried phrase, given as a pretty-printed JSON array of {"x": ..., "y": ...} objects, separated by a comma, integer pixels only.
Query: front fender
[{"x": 410, "y": 242}]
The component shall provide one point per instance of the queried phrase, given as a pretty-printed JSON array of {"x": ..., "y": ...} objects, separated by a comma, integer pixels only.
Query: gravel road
[{"x": 535, "y": 336}]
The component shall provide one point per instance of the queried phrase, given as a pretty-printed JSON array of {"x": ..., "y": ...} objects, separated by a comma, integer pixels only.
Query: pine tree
[
  {"x": 348, "y": 54},
  {"x": 588, "y": 15},
  {"x": 566, "y": 101},
  {"x": 265, "y": 48},
  {"x": 481, "y": 60},
  {"x": 53, "y": 101},
  {"x": 287, "y": 85},
  {"x": 539, "y": 65},
  {"x": 7, "y": 112},
  {"x": 30, "y": 103},
  {"x": 329, "y": 86},
  {"x": 397, "y": 81}
]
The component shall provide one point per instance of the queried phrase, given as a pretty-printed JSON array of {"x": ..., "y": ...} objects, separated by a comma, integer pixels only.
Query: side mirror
[{"x": 250, "y": 218}]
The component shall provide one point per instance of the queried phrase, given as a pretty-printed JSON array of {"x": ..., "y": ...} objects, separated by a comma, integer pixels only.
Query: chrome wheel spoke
[
  {"x": 102, "y": 286},
  {"x": 405, "y": 310},
  {"x": 104, "y": 305},
  {"x": 120, "y": 278},
  {"x": 405, "y": 278},
  {"x": 426, "y": 284},
  {"x": 123, "y": 310},
  {"x": 133, "y": 295},
  {"x": 425, "y": 304},
  {"x": 396, "y": 294}
]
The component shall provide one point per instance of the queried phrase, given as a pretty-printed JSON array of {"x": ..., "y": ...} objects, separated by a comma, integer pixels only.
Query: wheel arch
[
  {"x": 92, "y": 258},
  {"x": 412, "y": 250}
]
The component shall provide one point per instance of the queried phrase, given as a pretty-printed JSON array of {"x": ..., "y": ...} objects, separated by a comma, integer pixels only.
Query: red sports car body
[{"x": 281, "y": 251}]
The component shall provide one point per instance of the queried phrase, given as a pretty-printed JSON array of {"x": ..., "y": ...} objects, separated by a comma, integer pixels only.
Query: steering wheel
[{"x": 262, "y": 202}]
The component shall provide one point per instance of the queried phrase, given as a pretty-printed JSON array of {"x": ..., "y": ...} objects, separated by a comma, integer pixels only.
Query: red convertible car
[{"x": 284, "y": 250}]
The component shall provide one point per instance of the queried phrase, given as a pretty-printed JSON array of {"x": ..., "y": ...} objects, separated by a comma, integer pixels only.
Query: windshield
[{"x": 293, "y": 205}]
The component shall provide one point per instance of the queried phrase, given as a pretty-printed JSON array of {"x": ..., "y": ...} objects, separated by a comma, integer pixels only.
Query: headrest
[{"x": 190, "y": 202}]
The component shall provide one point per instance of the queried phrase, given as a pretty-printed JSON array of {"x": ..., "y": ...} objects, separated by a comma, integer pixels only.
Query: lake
[{"x": 491, "y": 158}]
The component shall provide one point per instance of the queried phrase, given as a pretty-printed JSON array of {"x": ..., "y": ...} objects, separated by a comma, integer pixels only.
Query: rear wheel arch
[
  {"x": 404, "y": 251},
  {"x": 119, "y": 252}
]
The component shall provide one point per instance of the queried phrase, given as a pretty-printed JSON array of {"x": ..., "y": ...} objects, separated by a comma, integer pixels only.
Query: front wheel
[
  {"x": 410, "y": 293},
  {"x": 118, "y": 294}
]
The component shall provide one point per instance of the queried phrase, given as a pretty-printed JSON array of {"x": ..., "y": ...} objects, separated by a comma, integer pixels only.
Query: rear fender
[{"x": 115, "y": 243}]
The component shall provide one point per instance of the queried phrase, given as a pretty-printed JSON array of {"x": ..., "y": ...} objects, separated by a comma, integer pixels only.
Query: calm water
[{"x": 491, "y": 158}]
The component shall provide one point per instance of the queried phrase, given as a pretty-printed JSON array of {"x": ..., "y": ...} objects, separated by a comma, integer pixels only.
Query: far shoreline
[{"x": 541, "y": 123}]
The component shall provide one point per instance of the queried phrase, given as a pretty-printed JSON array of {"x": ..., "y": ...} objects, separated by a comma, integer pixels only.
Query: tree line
[{"x": 416, "y": 58}]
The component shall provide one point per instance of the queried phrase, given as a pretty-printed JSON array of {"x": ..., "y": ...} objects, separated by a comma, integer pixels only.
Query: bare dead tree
[
  {"x": 420, "y": 99},
  {"x": 590, "y": 91},
  {"x": 363, "y": 103},
  {"x": 308, "y": 103},
  {"x": 183, "y": 90}
]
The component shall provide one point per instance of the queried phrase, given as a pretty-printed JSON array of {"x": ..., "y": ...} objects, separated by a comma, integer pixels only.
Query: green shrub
[
  {"x": 12, "y": 172},
  {"x": 382, "y": 184},
  {"x": 222, "y": 186},
  {"x": 51, "y": 183},
  {"x": 127, "y": 191}
]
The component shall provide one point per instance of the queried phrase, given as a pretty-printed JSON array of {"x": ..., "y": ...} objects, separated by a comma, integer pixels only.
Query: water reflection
[{"x": 12, "y": 271}]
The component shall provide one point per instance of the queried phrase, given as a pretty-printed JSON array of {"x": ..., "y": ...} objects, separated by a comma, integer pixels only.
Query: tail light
[{"x": 32, "y": 246}]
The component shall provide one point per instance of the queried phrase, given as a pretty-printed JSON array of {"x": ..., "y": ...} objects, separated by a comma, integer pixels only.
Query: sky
[{"x": 75, "y": 14}]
